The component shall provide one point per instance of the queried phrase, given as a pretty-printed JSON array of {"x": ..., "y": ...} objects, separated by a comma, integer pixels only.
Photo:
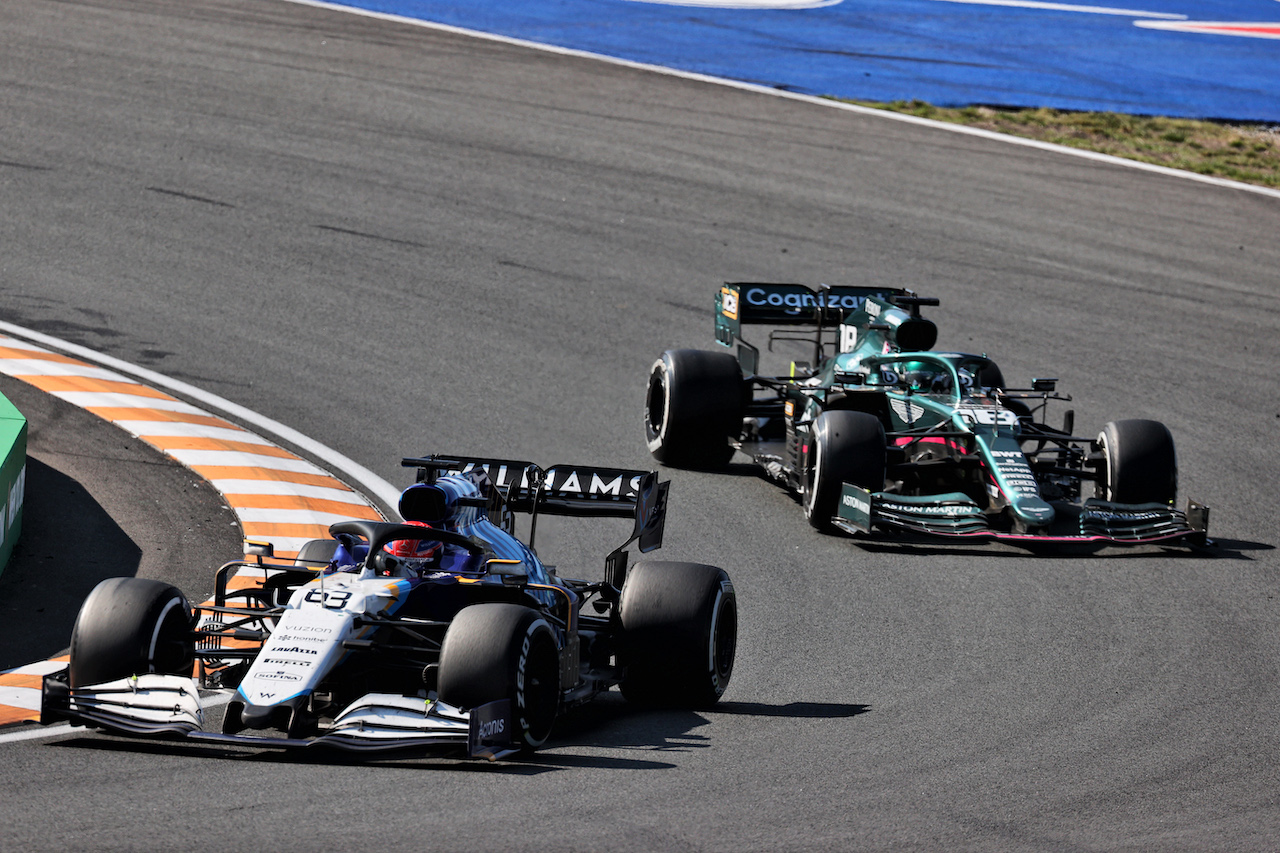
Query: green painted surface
[{"x": 13, "y": 477}]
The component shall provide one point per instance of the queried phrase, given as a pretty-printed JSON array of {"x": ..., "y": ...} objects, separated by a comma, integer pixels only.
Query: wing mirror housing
[{"x": 511, "y": 571}]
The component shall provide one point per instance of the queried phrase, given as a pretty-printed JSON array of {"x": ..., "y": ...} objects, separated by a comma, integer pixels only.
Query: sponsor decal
[
  {"x": 873, "y": 308},
  {"x": 848, "y": 338},
  {"x": 908, "y": 412},
  {"x": 973, "y": 415},
  {"x": 277, "y": 676},
  {"x": 856, "y": 503},
  {"x": 491, "y": 728},
  {"x": 1121, "y": 515},
  {"x": 1019, "y": 479},
  {"x": 790, "y": 408},
  {"x": 729, "y": 303},
  {"x": 520, "y": 664},
  {"x": 287, "y": 662},
  {"x": 294, "y": 650},
  {"x": 926, "y": 510},
  {"x": 794, "y": 303},
  {"x": 296, "y": 638},
  {"x": 601, "y": 483},
  {"x": 596, "y": 487}
]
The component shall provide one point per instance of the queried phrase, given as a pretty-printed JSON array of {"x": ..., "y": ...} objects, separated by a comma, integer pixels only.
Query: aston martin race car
[
  {"x": 877, "y": 432},
  {"x": 442, "y": 632}
]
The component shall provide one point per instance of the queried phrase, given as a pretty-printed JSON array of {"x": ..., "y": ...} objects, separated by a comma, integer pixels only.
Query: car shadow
[
  {"x": 794, "y": 710},
  {"x": 69, "y": 544},
  {"x": 611, "y": 722}
]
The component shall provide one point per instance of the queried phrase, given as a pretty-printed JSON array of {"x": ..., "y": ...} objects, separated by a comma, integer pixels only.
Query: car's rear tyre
[
  {"x": 130, "y": 626},
  {"x": 847, "y": 447},
  {"x": 503, "y": 651},
  {"x": 679, "y": 633},
  {"x": 1139, "y": 464},
  {"x": 692, "y": 408}
]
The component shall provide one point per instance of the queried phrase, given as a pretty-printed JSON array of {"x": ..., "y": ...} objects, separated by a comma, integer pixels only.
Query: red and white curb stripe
[{"x": 276, "y": 495}]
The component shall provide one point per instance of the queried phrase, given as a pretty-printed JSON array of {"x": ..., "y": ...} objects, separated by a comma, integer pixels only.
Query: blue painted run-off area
[{"x": 1153, "y": 57}]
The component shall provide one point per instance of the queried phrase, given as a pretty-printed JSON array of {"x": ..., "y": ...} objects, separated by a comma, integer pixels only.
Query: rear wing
[
  {"x": 741, "y": 303},
  {"x": 565, "y": 490}
]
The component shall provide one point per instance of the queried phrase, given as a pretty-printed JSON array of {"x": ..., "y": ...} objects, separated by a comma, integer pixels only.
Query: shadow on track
[
  {"x": 69, "y": 543},
  {"x": 610, "y": 723}
]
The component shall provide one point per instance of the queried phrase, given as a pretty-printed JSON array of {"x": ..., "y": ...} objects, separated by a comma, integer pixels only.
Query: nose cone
[{"x": 1033, "y": 513}]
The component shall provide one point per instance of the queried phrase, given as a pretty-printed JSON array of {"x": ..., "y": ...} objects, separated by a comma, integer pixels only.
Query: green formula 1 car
[{"x": 879, "y": 432}]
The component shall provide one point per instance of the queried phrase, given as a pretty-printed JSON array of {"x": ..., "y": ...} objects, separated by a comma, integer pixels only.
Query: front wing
[
  {"x": 169, "y": 706},
  {"x": 955, "y": 515}
]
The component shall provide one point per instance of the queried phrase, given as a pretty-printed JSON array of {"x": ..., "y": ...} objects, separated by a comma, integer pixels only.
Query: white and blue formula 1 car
[{"x": 443, "y": 633}]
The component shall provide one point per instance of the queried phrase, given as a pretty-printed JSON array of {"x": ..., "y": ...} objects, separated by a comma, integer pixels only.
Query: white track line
[{"x": 811, "y": 99}]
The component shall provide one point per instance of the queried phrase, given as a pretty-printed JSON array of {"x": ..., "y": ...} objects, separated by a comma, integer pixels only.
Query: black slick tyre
[
  {"x": 693, "y": 407},
  {"x": 130, "y": 626},
  {"x": 846, "y": 447},
  {"x": 679, "y": 633},
  {"x": 499, "y": 651},
  {"x": 1138, "y": 464}
]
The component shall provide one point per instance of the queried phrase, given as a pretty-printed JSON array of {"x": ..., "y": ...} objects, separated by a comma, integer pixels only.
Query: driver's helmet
[
  {"x": 942, "y": 382},
  {"x": 414, "y": 549},
  {"x": 919, "y": 375}
]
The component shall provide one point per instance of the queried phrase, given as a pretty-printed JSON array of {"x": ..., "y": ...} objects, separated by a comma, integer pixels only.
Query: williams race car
[
  {"x": 442, "y": 632},
  {"x": 878, "y": 432}
]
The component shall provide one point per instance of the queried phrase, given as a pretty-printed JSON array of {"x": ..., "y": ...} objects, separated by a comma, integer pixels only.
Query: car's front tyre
[
  {"x": 130, "y": 626},
  {"x": 1138, "y": 463},
  {"x": 496, "y": 651},
  {"x": 846, "y": 447}
]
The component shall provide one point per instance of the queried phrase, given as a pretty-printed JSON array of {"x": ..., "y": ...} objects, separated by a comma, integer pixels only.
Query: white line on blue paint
[{"x": 811, "y": 99}]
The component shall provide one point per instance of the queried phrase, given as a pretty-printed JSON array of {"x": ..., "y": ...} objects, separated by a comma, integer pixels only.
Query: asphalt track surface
[{"x": 400, "y": 242}]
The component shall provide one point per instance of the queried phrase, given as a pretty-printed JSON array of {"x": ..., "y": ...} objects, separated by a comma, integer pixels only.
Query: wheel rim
[{"x": 655, "y": 410}]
